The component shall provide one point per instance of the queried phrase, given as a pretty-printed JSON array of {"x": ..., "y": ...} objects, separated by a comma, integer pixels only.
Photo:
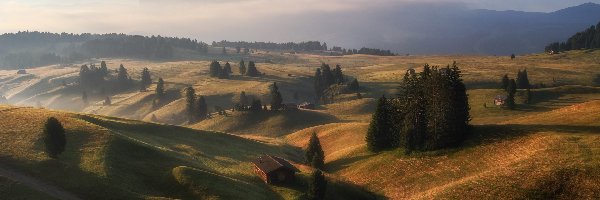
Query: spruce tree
[
  {"x": 123, "y": 77},
  {"x": 227, "y": 68},
  {"x": 252, "y": 71},
  {"x": 190, "y": 100},
  {"x": 242, "y": 67},
  {"x": 319, "y": 85},
  {"x": 54, "y": 137},
  {"x": 328, "y": 78},
  {"x": 160, "y": 88},
  {"x": 505, "y": 81},
  {"x": 317, "y": 186},
  {"x": 276, "y": 99},
  {"x": 146, "y": 78},
  {"x": 338, "y": 74},
  {"x": 201, "y": 108},
  {"x": 215, "y": 69},
  {"x": 511, "y": 91},
  {"x": 379, "y": 134},
  {"x": 314, "y": 148}
]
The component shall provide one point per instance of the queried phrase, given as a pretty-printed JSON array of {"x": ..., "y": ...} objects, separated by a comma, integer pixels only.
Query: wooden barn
[{"x": 274, "y": 170}]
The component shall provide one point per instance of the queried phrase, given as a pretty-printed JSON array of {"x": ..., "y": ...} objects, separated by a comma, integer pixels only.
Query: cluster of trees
[
  {"x": 92, "y": 76},
  {"x": 246, "y": 103},
  {"x": 511, "y": 86},
  {"x": 223, "y": 72},
  {"x": 32, "y": 49},
  {"x": 195, "y": 107},
  {"x": 431, "y": 112},
  {"x": 300, "y": 46},
  {"x": 588, "y": 39},
  {"x": 325, "y": 77}
]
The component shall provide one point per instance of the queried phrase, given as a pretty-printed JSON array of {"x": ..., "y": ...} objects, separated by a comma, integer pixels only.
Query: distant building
[
  {"x": 274, "y": 170},
  {"x": 500, "y": 100},
  {"x": 22, "y": 71}
]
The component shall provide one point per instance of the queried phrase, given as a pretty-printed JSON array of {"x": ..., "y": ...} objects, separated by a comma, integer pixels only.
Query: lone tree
[
  {"x": 252, "y": 71},
  {"x": 201, "y": 108},
  {"x": 505, "y": 82},
  {"x": 314, "y": 154},
  {"x": 317, "y": 186},
  {"x": 276, "y": 99},
  {"x": 379, "y": 134},
  {"x": 190, "y": 100},
  {"x": 511, "y": 91},
  {"x": 146, "y": 79},
  {"x": 215, "y": 69},
  {"x": 54, "y": 137},
  {"x": 242, "y": 67},
  {"x": 160, "y": 88}
]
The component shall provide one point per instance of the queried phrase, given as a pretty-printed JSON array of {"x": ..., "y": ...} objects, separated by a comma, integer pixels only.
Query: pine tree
[
  {"x": 227, "y": 68},
  {"x": 146, "y": 78},
  {"x": 252, "y": 71},
  {"x": 318, "y": 161},
  {"x": 123, "y": 77},
  {"x": 338, "y": 74},
  {"x": 276, "y": 99},
  {"x": 54, "y": 137},
  {"x": 314, "y": 148},
  {"x": 511, "y": 91},
  {"x": 505, "y": 81},
  {"x": 190, "y": 100},
  {"x": 201, "y": 108},
  {"x": 215, "y": 69},
  {"x": 160, "y": 88},
  {"x": 223, "y": 74},
  {"x": 317, "y": 186},
  {"x": 377, "y": 135},
  {"x": 328, "y": 78},
  {"x": 242, "y": 67},
  {"x": 319, "y": 85},
  {"x": 103, "y": 68}
]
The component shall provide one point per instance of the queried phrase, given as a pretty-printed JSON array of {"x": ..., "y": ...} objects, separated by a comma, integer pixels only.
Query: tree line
[
  {"x": 587, "y": 39},
  {"x": 300, "y": 46},
  {"x": 31, "y": 49},
  {"x": 325, "y": 78},
  {"x": 430, "y": 112},
  {"x": 511, "y": 86}
]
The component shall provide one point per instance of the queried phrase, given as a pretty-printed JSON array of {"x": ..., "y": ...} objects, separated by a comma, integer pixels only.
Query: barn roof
[{"x": 269, "y": 163}]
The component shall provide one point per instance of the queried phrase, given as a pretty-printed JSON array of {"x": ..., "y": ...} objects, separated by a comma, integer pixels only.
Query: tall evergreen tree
[
  {"x": 317, "y": 186},
  {"x": 242, "y": 67},
  {"x": 252, "y": 70},
  {"x": 511, "y": 91},
  {"x": 54, "y": 137},
  {"x": 227, "y": 68},
  {"x": 338, "y": 74},
  {"x": 215, "y": 69},
  {"x": 243, "y": 99},
  {"x": 123, "y": 77},
  {"x": 103, "y": 68},
  {"x": 314, "y": 148},
  {"x": 328, "y": 78},
  {"x": 202, "y": 108},
  {"x": 160, "y": 88},
  {"x": 190, "y": 100},
  {"x": 276, "y": 99},
  {"x": 379, "y": 134},
  {"x": 146, "y": 78},
  {"x": 505, "y": 81},
  {"x": 319, "y": 84}
]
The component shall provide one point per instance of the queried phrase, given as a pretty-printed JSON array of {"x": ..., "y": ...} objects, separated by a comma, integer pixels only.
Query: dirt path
[{"x": 35, "y": 184}]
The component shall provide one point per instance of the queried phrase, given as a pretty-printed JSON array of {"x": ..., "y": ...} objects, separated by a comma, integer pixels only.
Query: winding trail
[{"x": 36, "y": 184}]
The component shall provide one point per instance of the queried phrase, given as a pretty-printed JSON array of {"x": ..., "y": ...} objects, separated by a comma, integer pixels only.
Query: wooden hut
[{"x": 274, "y": 170}]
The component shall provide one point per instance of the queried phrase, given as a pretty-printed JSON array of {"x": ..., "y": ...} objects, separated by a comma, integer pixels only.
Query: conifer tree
[
  {"x": 276, "y": 99},
  {"x": 317, "y": 186},
  {"x": 190, "y": 100},
  {"x": 314, "y": 148},
  {"x": 227, "y": 68},
  {"x": 146, "y": 78},
  {"x": 328, "y": 78},
  {"x": 338, "y": 75},
  {"x": 511, "y": 91},
  {"x": 123, "y": 77},
  {"x": 215, "y": 69},
  {"x": 242, "y": 67},
  {"x": 252, "y": 71},
  {"x": 256, "y": 105},
  {"x": 54, "y": 137},
  {"x": 103, "y": 68},
  {"x": 202, "y": 108},
  {"x": 505, "y": 81},
  {"x": 160, "y": 88},
  {"x": 378, "y": 135},
  {"x": 319, "y": 85},
  {"x": 243, "y": 99}
]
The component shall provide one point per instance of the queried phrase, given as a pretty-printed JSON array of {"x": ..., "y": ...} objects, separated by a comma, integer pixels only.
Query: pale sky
[{"x": 210, "y": 20}]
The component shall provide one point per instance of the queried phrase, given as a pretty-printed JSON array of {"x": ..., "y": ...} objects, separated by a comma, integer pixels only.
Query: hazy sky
[{"x": 210, "y": 20}]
